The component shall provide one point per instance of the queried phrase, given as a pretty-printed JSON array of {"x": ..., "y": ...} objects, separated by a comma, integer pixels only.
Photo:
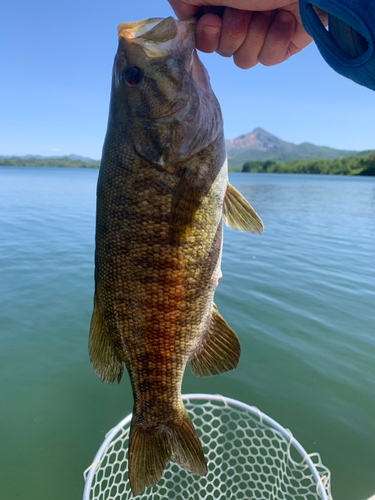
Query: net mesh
[{"x": 247, "y": 459}]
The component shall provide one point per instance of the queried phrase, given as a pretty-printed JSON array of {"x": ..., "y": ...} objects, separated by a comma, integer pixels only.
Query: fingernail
[{"x": 211, "y": 30}]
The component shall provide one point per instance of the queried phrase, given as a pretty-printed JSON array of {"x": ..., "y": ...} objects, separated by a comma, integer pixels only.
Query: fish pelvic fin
[
  {"x": 219, "y": 350},
  {"x": 151, "y": 450},
  {"x": 103, "y": 358},
  {"x": 238, "y": 214}
]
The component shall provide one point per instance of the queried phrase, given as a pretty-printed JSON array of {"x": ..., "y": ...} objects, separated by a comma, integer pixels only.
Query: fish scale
[{"x": 162, "y": 194}]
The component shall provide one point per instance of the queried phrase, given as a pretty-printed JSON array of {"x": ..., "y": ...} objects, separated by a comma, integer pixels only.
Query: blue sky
[{"x": 56, "y": 59}]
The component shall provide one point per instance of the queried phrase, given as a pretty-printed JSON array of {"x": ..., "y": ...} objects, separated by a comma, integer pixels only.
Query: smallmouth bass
[{"x": 162, "y": 194}]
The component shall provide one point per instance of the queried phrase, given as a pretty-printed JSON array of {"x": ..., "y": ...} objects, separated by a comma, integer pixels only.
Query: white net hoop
[{"x": 249, "y": 456}]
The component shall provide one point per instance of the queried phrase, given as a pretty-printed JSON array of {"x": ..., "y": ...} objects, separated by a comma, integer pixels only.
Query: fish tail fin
[
  {"x": 148, "y": 455},
  {"x": 150, "y": 452},
  {"x": 186, "y": 448}
]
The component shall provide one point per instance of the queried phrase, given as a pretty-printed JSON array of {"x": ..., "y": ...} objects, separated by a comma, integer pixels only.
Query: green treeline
[
  {"x": 351, "y": 165},
  {"x": 64, "y": 161}
]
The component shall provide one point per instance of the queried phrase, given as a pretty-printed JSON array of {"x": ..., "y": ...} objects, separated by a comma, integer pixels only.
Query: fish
[{"x": 162, "y": 195}]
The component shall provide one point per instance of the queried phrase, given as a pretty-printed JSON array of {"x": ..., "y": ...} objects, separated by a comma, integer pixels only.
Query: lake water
[{"x": 300, "y": 297}]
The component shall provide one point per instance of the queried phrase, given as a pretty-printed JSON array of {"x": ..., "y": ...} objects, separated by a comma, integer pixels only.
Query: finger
[
  {"x": 247, "y": 55},
  {"x": 234, "y": 31},
  {"x": 300, "y": 39},
  {"x": 293, "y": 49},
  {"x": 323, "y": 16},
  {"x": 208, "y": 32},
  {"x": 251, "y": 5},
  {"x": 183, "y": 10},
  {"x": 278, "y": 38}
]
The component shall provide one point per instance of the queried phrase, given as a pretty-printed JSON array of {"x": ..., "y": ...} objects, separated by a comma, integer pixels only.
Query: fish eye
[{"x": 131, "y": 75}]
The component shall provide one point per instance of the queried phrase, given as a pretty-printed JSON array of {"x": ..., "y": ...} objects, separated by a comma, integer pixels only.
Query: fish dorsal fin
[
  {"x": 102, "y": 354},
  {"x": 219, "y": 350},
  {"x": 238, "y": 214}
]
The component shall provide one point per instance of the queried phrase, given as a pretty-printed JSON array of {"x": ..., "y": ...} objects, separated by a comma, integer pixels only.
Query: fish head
[{"x": 161, "y": 93}]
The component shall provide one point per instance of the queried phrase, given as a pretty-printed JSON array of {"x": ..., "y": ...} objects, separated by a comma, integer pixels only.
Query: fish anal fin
[
  {"x": 219, "y": 351},
  {"x": 102, "y": 354},
  {"x": 151, "y": 449},
  {"x": 238, "y": 214}
]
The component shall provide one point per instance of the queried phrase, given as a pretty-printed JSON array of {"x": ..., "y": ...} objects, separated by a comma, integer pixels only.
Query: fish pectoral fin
[
  {"x": 238, "y": 214},
  {"x": 151, "y": 450},
  {"x": 220, "y": 349},
  {"x": 190, "y": 191},
  {"x": 103, "y": 358}
]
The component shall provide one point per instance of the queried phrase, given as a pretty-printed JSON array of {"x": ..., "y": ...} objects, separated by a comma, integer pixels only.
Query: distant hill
[
  {"x": 38, "y": 157},
  {"x": 82, "y": 158},
  {"x": 72, "y": 161},
  {"x": 261, "y": 145},
  {"x": 258, "y": 146}
]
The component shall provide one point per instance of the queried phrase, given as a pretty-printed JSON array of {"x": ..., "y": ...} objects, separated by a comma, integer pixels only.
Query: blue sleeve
[{"x": 348, "y": 46}]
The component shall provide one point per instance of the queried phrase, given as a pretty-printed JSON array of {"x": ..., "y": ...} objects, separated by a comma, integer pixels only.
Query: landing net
[{"x": 249, "y": 456}]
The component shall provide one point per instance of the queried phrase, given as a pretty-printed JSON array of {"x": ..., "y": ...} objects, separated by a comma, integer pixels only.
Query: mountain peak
[
  {"x": 258, "y": 139},
  {"x": 260, "y": 131},
  {"x": 261, "y": 145}
]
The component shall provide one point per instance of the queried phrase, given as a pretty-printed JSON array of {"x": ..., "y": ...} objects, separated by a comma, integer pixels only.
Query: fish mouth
[
  {"x": 156, "y": 29},
  {"x": 138, "y": 28},
  {"x": 159, "y": 36}
]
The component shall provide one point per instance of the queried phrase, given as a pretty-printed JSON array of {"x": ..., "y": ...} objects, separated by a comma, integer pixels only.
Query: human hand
[{"x": 252, "y": 31}]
